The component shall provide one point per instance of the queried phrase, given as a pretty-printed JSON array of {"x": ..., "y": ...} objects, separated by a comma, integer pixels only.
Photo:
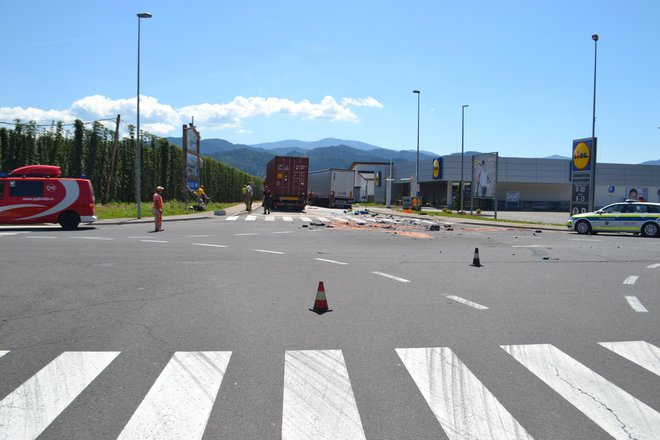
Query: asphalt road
[{"x": 204, "y": 331}]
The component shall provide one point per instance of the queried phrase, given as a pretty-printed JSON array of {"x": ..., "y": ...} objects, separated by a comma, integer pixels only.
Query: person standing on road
[
  {"x": 158, "y": 209},
  {"x": 248, "y": 196},
  {"x": 268, "y": 200}
]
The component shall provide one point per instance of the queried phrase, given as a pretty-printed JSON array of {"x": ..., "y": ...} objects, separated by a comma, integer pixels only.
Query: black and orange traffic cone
[
  {"x": 475, "y": 260},
  {"x": 320, "y": 303}
]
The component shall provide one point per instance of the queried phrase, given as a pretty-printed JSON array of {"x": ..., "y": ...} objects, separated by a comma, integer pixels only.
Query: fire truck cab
[{"x": 38, "y": 194}]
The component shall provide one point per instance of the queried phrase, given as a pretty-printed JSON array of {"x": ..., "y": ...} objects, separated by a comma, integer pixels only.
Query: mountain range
[{"x": 323, "y": 154}]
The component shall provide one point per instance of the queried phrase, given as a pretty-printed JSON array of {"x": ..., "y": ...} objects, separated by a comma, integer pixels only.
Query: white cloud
[
  {"x": 163, "y": 119},
  {"x": 362, "y": 102}
]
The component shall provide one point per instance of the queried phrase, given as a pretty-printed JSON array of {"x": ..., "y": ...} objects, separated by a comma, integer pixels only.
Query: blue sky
[{"x": 260, "y": 71}]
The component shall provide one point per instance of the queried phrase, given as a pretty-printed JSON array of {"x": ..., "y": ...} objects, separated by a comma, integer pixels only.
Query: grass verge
[{"x": 129, "y": 210}]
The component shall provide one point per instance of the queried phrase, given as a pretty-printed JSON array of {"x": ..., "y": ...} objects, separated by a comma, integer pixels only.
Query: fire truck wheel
[{"x": 69, "y": 220}]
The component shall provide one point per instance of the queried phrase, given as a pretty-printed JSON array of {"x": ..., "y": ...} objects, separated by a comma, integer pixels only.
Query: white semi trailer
[{"x": 332, "y": 188}]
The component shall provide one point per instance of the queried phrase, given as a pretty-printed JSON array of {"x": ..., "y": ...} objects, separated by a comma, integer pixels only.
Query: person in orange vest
[{"x": 158, "y": 209}]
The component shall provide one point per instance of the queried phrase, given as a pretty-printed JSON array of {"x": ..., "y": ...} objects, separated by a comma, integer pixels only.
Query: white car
[{"x": 630, "y": 216}]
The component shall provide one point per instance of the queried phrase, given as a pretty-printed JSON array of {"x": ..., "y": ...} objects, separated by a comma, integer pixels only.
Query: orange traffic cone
[
  {"x": 320, "y": 304},
  {"x": 475, "y": 260}
]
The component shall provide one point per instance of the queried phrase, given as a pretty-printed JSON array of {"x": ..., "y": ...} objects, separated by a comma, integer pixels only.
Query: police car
[{"x": 629, "y": 216}]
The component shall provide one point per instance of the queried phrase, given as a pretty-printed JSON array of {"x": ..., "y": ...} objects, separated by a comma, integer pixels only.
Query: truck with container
[
  {"x": 286, "y": 177},
  {"x": 332, "y": 188}
]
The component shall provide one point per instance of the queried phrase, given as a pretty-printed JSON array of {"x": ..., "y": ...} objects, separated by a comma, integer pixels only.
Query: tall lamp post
[
  {"x": 592, "y": 194},
  {"x": 416, "y": 183},
  {"x": 462, "y": 150},
  {"x": 139, "y": 142}
]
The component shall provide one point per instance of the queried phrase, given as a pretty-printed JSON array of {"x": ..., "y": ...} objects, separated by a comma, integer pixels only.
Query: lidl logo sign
[
  {"x": 437, "y": 168},
  {"x": 582, "y": 152}
]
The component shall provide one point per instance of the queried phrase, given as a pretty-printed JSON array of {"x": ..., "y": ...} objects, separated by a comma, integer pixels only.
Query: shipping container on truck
[
  {"x": 286, "y": 176},
  {"x": 332, "y": 188}
]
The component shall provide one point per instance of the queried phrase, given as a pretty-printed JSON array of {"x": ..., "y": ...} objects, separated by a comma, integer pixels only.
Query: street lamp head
[
  {"x": 144, "y": 15},
  {"x": 416, "y": 91},
  {"x": 466, "y": 105},
  {"x": 594, "y": 37}
]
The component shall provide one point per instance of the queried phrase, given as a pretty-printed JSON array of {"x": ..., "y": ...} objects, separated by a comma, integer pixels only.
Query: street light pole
[
  {"x": 462, "y": 150},
  {"x": 140, "y": 16},
  {"x": 593, "y": 125},
  {"x": 592, "y": 194},
  {"x": 417, "y": 92}
]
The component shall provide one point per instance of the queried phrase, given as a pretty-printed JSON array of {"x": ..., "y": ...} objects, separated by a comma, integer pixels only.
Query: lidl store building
[{"x": 520, "y": 183}]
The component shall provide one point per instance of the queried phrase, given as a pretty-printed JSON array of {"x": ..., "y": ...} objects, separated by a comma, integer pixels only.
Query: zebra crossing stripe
[
  {"x": 27, "y": 411},
  {"x": 461, "y": 403},
  {"x": 270, "y": 219},
  {"x": 250, "y": 218},
  {"x": 3, "y": 352},
  {"x": 306, "y": 219},
  {"x": 323, "y": 219},
  {"x": 287, "y": 219},
  {"x": 620, "y": 414},
  {"x": 640, "y": 352},
  {"x": 318, "y": 399},
  {"x": 232, "y": 218},
  {"x": 179, "y": 403}
]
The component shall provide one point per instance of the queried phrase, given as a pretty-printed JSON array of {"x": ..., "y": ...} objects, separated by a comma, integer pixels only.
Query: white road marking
[
  {"x": 94, "y": 238},
  {"x": 318, "y": 400},
  {"x": 528, "y": 246},
  {"x": 137, "y": 238},
  {"x": 467, "y": 302},
  {"x": 232, "y": 218},
  {"x": 246, "y": 233},
  {"x": 200, "y": 236},
  {"x": 210, "y": 245},
  {"x": 306, "y": 219},
  {"x": 27, "y": 411},
  {"x": 632, "y": 279},
  {"x": 287, "y": 219},
  {"x": 270, "y": 219},
  {"x": 653, "y": 266},
  {"x": 268, "y": 252},
  {"x": 403, "y": 280},
  {"x": 154, "y": 241},
  {"x": 12, "y": 233},
  {"x": 331, "y": 261},
  {"x": 323, "y": 219},
  {"x": 179, "y": 403},
  {"x": 636, "y": 304},
  {"x": 282, "y": 232},
  {"x": 640, "y": 352},
  {"x": 250, "y": 218},
  {"x": 465, "y": 408},
  {"x": 620, "y": 414},
  {"x": 39, "y": 237},
  {"x": 584, "y": 239},
  {"x": 339, "y": 219},
  {"x": 3, "y": 352}
]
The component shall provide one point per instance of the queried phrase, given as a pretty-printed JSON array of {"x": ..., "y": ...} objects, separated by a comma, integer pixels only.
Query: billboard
[
  {"x": 192, "y": 163},
  {"x": 484, "y": 175},
  {"x": 583, "y": 168}
]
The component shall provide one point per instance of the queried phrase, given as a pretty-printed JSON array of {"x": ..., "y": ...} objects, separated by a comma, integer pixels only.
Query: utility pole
[{"x": 112, "y": 162}]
